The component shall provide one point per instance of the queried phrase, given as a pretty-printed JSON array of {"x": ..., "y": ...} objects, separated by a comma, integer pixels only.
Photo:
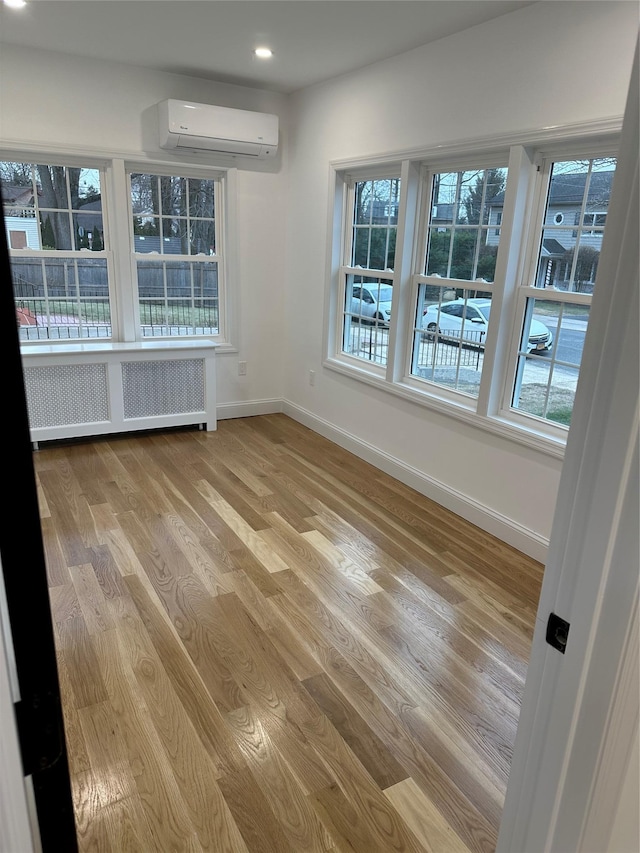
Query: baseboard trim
[
  {"x": 507, "y": 530},
  {"x": 248, "y": 409}
]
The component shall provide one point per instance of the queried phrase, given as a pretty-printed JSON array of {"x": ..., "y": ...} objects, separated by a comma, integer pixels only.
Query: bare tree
[{"x": 56, "y": 197}]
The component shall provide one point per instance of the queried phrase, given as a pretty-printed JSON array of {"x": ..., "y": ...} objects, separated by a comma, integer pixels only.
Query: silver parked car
[
  {"x": 468, "y": 321},
  {"x": 372, "y": 302}
]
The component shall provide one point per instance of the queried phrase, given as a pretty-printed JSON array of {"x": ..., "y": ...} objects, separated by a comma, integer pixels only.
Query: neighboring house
[
  {"x": 561, "y": 227},
  {"x": 89, "y": 221},
  {"x": 20, "y": 221},
  {"x": 22, "y": 232}
]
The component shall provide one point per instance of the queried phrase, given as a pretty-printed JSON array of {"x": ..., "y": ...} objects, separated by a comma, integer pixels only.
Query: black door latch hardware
[{"x": 557, "y": 632}]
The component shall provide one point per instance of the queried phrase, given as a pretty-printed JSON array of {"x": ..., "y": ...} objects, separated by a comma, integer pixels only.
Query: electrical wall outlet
[{"x": 242, "y": 368}]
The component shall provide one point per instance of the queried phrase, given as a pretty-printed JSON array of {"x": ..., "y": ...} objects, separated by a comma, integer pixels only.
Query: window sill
[
  {"x": 527, "y": 436},
  {"x": 159, "y": 345}
]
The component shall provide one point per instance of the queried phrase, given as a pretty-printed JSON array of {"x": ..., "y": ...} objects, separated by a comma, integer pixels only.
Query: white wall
[
  {"x": 521, "y": 72},
  {"x": 63, "y": 102}
]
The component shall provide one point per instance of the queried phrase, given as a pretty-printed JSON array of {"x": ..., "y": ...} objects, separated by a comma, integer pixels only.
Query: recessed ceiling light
[
  {"x": 263, "y": 52},
  {"x": 15, "y": 4}
]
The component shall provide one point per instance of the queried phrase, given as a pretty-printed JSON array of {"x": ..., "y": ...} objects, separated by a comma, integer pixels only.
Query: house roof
[
  {"x": 568, "y": 189},
  {"x": 552, "y": 248},
  {"x": 17, "y": 195}
]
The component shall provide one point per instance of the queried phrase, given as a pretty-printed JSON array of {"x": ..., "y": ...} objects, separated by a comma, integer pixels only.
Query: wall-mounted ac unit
[{"x": 185, "y": 126}]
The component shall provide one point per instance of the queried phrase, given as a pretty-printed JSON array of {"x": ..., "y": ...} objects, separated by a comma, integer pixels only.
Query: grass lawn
[{"x": 560, "y": 406}]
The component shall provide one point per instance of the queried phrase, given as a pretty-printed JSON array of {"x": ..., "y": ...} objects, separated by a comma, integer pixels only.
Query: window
[
  {"x": 467, "y": 285},
  {"x": 56, "y": 231},
  {"x": 175, "y": 247},
  {"x": 594, "y": 221},
  {"x": 18, "y": 239},
  {"x": 564, "y": 265},
  {"x": 170, "y": 262},
  {"x": 367, "y": 268},
  {"x": 460, "y": 246}
]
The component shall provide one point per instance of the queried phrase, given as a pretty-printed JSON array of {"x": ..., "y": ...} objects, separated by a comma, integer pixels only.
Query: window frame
[
  {"x": 118, "y": 228},
  {"x": 344, "y": 255},
  {"x": 545, "y": 157},
  {"x": 78, "y": 161},
  {"x": 522, "y": 153},
  {"x": 218, "y": 258},
  {"x": 482, "y": 160}
]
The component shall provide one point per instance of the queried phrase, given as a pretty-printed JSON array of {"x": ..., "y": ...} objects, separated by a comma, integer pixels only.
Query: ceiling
[{"x": 312, "y": 40}]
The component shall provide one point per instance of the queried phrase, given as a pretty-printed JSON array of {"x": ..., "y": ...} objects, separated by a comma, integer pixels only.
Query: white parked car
[
  {"x": 372, "y": 302},
  {"x": 469, "y": 322}
]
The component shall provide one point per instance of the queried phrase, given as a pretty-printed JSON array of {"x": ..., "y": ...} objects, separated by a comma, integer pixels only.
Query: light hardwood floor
[{"x": 268, "y": 645}]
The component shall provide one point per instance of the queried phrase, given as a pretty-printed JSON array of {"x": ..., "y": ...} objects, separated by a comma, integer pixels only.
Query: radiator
[{"x": 93, "y": 389}]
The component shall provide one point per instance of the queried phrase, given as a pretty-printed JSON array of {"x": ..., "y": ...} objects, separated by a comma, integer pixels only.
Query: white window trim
[
  {"x": 349, "y": 180},
  {"x": 114, "y": 167},
  {"x": 87, "y": 161},
  {"x": 219, "y": 258},
  {"x": 488, "y": 412},
  {"x": 544, "y": 158}
]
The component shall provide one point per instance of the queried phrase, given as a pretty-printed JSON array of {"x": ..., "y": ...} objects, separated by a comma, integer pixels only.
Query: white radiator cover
[{"x": 92, "y": 389}]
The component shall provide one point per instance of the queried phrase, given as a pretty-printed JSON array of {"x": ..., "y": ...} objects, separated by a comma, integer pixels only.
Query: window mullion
[
  {"x": 401, "y": 331},
  {"x": 72, "y": 232},
  {"x": 125, "y": 312},
  {"x": 220, "y": 253},
  {"x": 502, "y": 342}
]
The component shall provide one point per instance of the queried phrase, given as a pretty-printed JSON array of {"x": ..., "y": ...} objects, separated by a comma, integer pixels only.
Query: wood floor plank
[
  {"x": 364, "y": 743},
  {"x": 267, "y": 645},
  {"x": 299, "y": 658},
  {"x": 245, "y": 532},
  {"x": 253, "y": 599},
  {"x": 448, "y": 637},
  {"x": 190, "y": 607},
  {"x": 60, "y": 502},
  {"x": 487, "y": 721},
  {"x": 385, "y": 826},
  {"x": 116, "y": 828},
  {"x": 110, "y": 769},
  {"x": 233, "y": 491},
  {"x": 104, "y": 519},
  {"x": 78, "y": 757},
  {"x": 202, "y": 563},
  {"x": 243, "y": 464},
  {"x": 165, "y": 813},
  {"x": 56, "y": 564},
  {"x": 258, "y": 825},
  {"x": 91, "y": 599},
  {"x": 389, "y": 725},
  {"x": 192, "y": 768},
  {"x": 401, "y": 585},
  {"x": 264, "y": 673},
  {"x": 290, "y": 806},
  {"x": 79, "y": 654},
  {"x": 349, "y": 827},
  {"x": 318, "y": 622},
  {"x": 187, "y": 683},
  {"x": 367, "y": 519},
  {"x": 425, "y": 821}
]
